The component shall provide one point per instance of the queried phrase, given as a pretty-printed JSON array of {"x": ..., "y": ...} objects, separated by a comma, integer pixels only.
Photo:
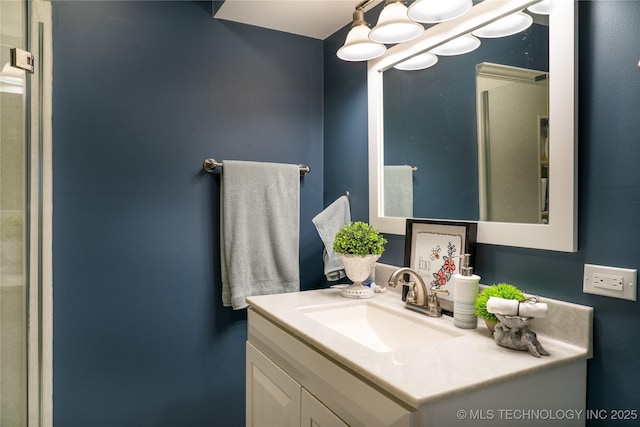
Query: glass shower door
[{"x": 13, "y": 218}]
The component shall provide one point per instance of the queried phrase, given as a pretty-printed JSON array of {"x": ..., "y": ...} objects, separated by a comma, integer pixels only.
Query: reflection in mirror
[
  {"x": 430, "y": 122},
  {"x": 440, "y": 185},
  {"x": 513, "y": 161}
]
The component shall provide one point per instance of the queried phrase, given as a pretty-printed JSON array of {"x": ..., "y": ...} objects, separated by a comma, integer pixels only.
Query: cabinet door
[
  {"x": 273, "y": 397},
  {"x": 315, "y": 414}
]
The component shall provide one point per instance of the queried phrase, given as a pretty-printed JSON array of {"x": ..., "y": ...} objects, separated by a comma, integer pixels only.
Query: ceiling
[{"x": 311, "y": 18}]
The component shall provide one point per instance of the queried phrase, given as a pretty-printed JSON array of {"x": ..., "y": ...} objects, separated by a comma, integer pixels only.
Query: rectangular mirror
[{"x": 463, "y": 190}]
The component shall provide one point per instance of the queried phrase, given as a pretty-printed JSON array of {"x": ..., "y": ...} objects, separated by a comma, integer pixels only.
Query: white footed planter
[{"x": 358, "y": 268}]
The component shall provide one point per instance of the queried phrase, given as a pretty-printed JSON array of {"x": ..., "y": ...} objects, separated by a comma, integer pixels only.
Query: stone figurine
[{"x": 512, "y": 332}]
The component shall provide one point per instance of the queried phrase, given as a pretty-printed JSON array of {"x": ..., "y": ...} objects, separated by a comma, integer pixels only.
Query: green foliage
[
  {"x": 359, "y": 238},
  {"x": 501, "y": 290}
]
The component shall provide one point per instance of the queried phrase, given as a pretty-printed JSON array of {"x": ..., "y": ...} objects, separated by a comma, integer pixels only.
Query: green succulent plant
[
  {"x": 501, "y": 290},
  {"x": 359, "y": 238}
]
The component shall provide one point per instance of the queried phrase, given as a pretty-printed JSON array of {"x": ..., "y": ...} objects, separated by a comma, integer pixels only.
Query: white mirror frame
[{"x": 561, "y": 232}]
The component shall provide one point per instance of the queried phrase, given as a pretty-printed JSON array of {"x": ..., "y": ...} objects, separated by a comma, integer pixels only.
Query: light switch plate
[{"x": 610, "y": 281}]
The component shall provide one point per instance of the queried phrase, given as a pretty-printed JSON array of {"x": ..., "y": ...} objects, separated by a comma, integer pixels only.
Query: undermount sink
[{"x": 377, "y": 327}]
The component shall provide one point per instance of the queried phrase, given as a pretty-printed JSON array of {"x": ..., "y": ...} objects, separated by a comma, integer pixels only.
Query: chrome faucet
[
  {"x": 418, "y": 299},
  {"x": 396, "y": 278}
]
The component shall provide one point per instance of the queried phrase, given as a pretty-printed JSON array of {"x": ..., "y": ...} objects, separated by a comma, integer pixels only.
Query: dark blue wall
[
  {"x": 143, "y": 93},
  {"x": 345, "y": 130},
  {"x": 609, "y": 192}
]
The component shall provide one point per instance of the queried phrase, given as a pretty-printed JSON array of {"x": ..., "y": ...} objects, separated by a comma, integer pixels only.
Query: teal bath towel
[{"x": 259, "y": 236}]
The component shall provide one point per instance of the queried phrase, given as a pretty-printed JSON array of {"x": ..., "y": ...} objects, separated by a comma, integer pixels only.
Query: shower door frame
[{"x": 40, "y": 216}]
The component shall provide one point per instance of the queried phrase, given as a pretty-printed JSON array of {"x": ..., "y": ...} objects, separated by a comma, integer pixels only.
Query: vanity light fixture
[
  {"x": 357, "y": 45},
  {"x": 418, "y": 62},
  {"x": 541, "y": 8},
  {"x": 506, "y": 26},
  {"x": 458, "y": 46},
  {"x": 394, "y": 25},
  {"x": 432, "y": 11},
  {"x": 397, "y": 24}
]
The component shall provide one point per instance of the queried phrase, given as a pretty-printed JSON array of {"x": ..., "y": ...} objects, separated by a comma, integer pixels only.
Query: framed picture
[{"x": 433, "y": 249}]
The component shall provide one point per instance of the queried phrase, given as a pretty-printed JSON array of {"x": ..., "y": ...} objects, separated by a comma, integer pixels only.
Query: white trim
[
  {"x": 507, "y": 72},
  {"x": 561, "y": 232}
]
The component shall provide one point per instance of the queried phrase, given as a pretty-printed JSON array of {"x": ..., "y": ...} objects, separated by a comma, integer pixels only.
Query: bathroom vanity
[{"x": 316, "y": 358}]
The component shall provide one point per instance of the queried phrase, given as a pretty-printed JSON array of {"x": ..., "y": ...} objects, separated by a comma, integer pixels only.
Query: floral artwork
[
  {"x": 436, "y": 257},
  {"x": 433, "y": 249}
]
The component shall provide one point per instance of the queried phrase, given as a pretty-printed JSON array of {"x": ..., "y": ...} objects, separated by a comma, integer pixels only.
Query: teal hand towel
[
  {"x": 398, "y": 191},
  {"x": 260, "y": 222},
  {"x": 328, "y": 223}
]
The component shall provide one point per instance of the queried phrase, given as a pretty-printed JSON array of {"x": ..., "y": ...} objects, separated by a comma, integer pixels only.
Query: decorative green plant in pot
[
  {"x": 359, "y": 246},
  {"x": 501, "y": 290}
]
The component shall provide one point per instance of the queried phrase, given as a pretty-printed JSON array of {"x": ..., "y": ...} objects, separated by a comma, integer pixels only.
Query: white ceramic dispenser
[{"x": 465, "y": 293}]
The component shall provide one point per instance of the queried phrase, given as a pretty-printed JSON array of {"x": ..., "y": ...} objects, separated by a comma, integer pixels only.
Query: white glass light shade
[
  {"x": 541, "y": 8},
  {"x": 418, "y": 62},
  {"x": 458, "y": 46},
  {"x": 394, "y": 26},
  {"x": 358, "y": 47},
  {"x": 431, "y": 11},
  {"x": 509, "y": 25}
]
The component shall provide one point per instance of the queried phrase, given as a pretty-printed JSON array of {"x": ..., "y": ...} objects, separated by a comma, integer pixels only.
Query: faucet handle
[
  {"x": 411, "y": 294},
  {"x": 433, "y": 302},
  {"x": 409, "y": 283},
  {"x": 437, "y": 291}
]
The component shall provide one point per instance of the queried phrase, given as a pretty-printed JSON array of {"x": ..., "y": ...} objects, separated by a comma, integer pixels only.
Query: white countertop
[{"x": 425, "y": 372}]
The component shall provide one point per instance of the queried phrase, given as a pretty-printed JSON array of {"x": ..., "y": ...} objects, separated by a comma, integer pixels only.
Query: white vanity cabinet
[
  {"x": 314, "y": 413},
  {"x": 302, "y": 370},
  {"x": 276, "y": 399},
  {"x": 273, "y": 397},
  {"x": 291, "y": 384}
]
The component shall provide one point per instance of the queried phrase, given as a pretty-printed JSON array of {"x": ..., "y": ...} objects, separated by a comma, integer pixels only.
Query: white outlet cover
[{"x": 629, "y": 285}]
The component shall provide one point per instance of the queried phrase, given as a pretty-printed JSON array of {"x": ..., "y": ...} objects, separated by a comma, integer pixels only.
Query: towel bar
[
  {"x": 413, "y": 168},
  {"x": 211, "y": 165}
]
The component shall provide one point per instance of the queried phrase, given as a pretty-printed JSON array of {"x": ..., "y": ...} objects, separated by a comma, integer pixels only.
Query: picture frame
[{"x": 433, "y": 249}]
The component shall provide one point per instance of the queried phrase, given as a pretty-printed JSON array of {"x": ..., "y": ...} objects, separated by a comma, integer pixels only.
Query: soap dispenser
[{"x": 465, "y": 294}]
